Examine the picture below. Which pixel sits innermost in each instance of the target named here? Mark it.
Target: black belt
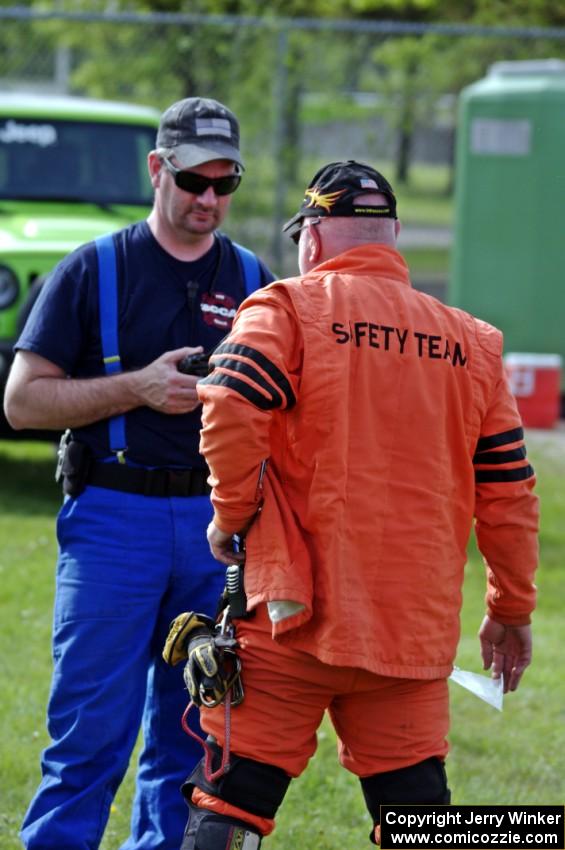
(149, 482)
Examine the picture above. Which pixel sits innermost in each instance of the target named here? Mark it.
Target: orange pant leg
(286, 694)
(386, 723)
(383, 723)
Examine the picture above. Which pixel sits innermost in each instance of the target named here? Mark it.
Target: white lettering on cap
(213, 127)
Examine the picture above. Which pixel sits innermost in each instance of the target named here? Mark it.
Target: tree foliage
(266, 73)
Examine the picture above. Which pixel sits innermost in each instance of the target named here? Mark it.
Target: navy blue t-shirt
(163, 304)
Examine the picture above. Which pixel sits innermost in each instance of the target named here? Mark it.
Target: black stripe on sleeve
(251, 372)
(267, 365)
(500, 457)
(502, 439)
(492, 476)
(241, 387)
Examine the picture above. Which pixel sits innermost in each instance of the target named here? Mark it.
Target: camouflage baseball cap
(199, 129)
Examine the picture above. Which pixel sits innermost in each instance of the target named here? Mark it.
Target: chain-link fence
(306, 91)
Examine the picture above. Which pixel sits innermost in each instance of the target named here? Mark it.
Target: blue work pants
(128, 564)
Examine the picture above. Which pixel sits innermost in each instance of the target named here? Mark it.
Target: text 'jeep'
(71, 169)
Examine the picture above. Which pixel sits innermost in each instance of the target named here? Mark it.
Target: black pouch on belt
(75, 468)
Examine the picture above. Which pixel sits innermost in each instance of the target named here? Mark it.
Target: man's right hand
(221, 546)
(507, 649)
(162, 387)
(40, 395)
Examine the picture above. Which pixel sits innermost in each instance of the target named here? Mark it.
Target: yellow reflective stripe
(115, 358)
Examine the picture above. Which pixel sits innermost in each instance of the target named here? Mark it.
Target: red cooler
(535, 380)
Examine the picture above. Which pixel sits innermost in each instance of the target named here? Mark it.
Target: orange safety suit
(388, 426)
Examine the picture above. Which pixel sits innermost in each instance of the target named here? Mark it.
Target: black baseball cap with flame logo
(334, 189)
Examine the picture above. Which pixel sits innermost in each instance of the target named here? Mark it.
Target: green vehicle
(71, 169)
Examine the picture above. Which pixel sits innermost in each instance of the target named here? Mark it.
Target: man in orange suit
(355, 429)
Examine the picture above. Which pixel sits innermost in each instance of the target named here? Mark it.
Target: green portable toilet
(508, 257)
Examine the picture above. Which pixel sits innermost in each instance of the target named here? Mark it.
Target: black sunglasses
(296, 235)
(197, 184)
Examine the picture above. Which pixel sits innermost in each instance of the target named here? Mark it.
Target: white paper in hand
(487, 689)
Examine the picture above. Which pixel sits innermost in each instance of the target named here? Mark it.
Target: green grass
(509, 758)
(321, 109)
(423, 261)
(426, 200)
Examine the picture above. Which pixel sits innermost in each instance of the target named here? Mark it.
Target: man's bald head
(357, 231)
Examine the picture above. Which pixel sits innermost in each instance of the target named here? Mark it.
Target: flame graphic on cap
(326, 202)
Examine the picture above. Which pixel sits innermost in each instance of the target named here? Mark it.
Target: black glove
(208, 674)
(204, 674)
(180, 630)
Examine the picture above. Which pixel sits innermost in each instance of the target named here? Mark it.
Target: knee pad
(425, 782)
(208, 831)
(250, 785)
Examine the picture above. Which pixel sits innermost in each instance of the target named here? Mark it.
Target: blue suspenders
(250, 267)
(108, 303)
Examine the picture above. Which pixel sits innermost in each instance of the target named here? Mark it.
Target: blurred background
(310, 82)
(462, 107)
